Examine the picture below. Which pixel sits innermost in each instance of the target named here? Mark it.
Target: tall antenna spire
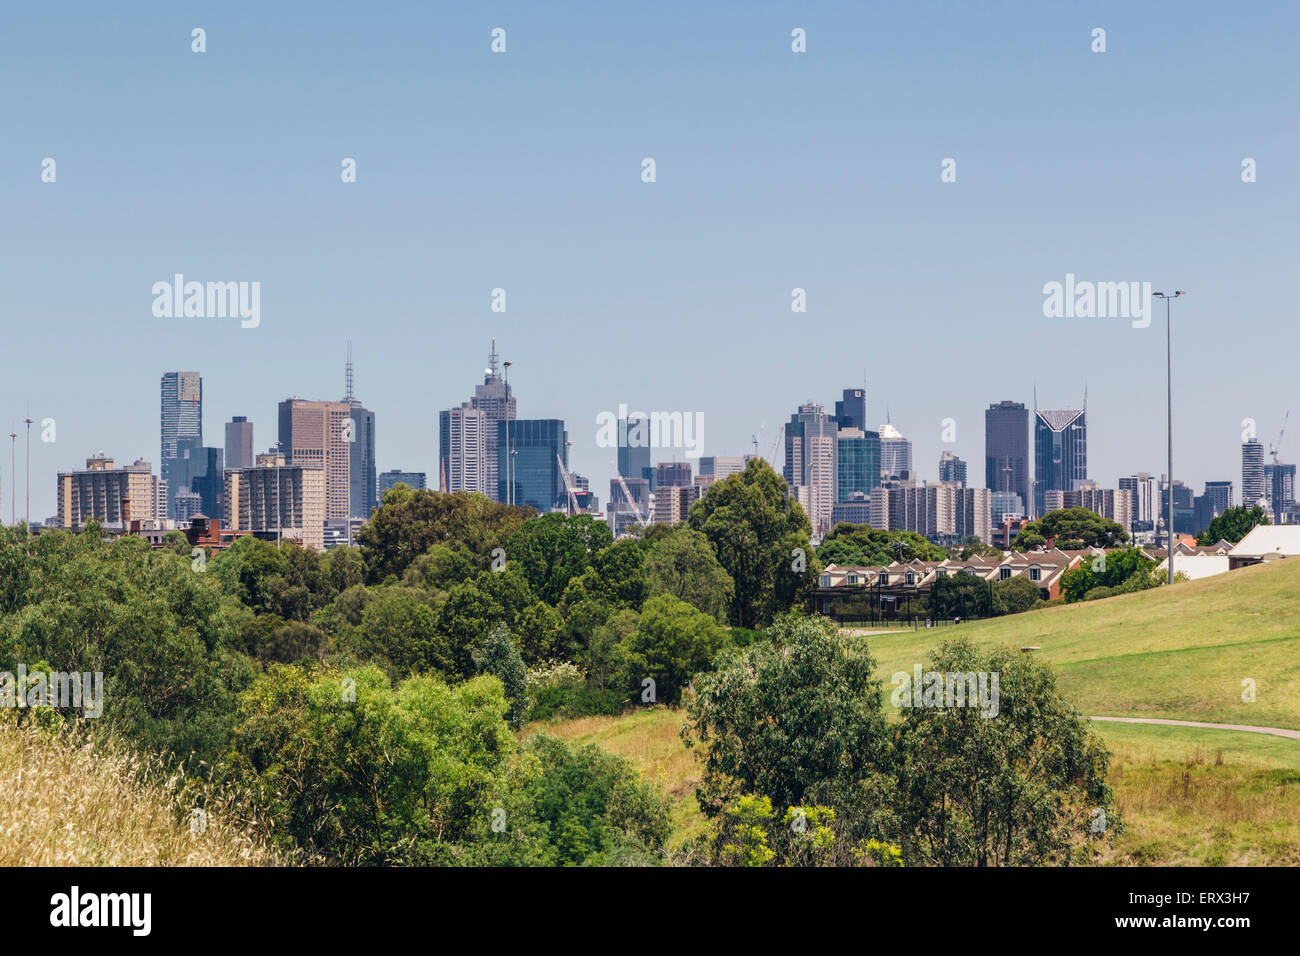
(349, 398)
(492, 359)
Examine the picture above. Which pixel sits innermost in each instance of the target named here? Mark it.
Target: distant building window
(1035, 574)
(1004, 574)
(826, 580)
(940, 573)
(910, 578)
(884, 578)
(853, 579)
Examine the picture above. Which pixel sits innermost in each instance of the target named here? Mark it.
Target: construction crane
(568, 485)
(1276, 445)
(759, 437)
(644, 522)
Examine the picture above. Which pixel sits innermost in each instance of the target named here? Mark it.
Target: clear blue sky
(775, 170)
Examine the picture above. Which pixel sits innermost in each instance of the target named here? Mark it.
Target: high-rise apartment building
(1006, 450)
(1253, 488)
(363, 487)
(1060, 452)
(531, 475)
(721, 466)
(952, 468)
(1146, 498)
(672, 503)
(1279, 485)
(316, 434)
(110, 495)
(810, 459)
(274, 497)
(182, 417)
(239, 443)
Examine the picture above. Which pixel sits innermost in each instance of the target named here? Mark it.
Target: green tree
(554, 548)
(963, 595)
(864, 546)
(1072, 527)
(672, 642)
(1014, 595)
(684, 565)
(796, 718)
(1024, 787)
(400, 629)
(760, 537)
(1233, 525)
(498, 654)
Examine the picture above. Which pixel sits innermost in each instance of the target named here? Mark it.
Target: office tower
(1279, 487)
(810, 452)
(1006, 449)
(976, 515)
(414, 479)
(1005, 506)
(363, 488)
(182, 417)
(110, 495)
(952, 468)
(239, 443)
(1219, 494)
(277, 500)
(1146, 497)
(1060, 452)
(857, 467)
(1184, 507)
(633, 446)
(497, 403)
(315, 434)
(895, 453)
(196, 470)
(851, 410)
(1253, 490)
(532, 476)
(721, 466)
(1115, 504)
(672, 474)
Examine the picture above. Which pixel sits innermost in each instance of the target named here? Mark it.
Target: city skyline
(507, 183)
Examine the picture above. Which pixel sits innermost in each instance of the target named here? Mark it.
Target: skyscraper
(363, 490)
(895, 453)
(389, 479)
(316, 434)
(497, 403)
(952, 468)
(182, 417)
(672, 474)
(1146, 495)
(857, 467)
(239, 443)
(1279, 484)
(197, 470)
(810, 453)
(1253, 489)
(1006, 449)
(851, 410)
(1060, 452)
(536, 446)
(633, 446)
(463, 440)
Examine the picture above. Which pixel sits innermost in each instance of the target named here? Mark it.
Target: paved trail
(1277, 731)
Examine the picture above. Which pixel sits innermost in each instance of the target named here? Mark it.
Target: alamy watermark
(208, 300)
(1098, 300)
(947, 689)
(683, 430)
(53, 689)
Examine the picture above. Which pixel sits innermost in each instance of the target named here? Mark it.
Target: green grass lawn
(1179, 653)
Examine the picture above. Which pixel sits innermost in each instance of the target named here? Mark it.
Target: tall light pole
(28, 486)
(1169, 385)
(13, 478)
(505, 414)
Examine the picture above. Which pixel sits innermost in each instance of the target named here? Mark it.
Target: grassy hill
(1178, 653)
(1189, 795)
(64, 804)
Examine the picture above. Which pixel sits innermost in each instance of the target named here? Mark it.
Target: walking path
(1278, 731)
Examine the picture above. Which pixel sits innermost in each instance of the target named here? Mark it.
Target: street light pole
(1169, 385)
(28, 486)
(13, 478)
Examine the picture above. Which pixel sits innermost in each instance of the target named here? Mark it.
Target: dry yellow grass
(66, 803)
(650, 738)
